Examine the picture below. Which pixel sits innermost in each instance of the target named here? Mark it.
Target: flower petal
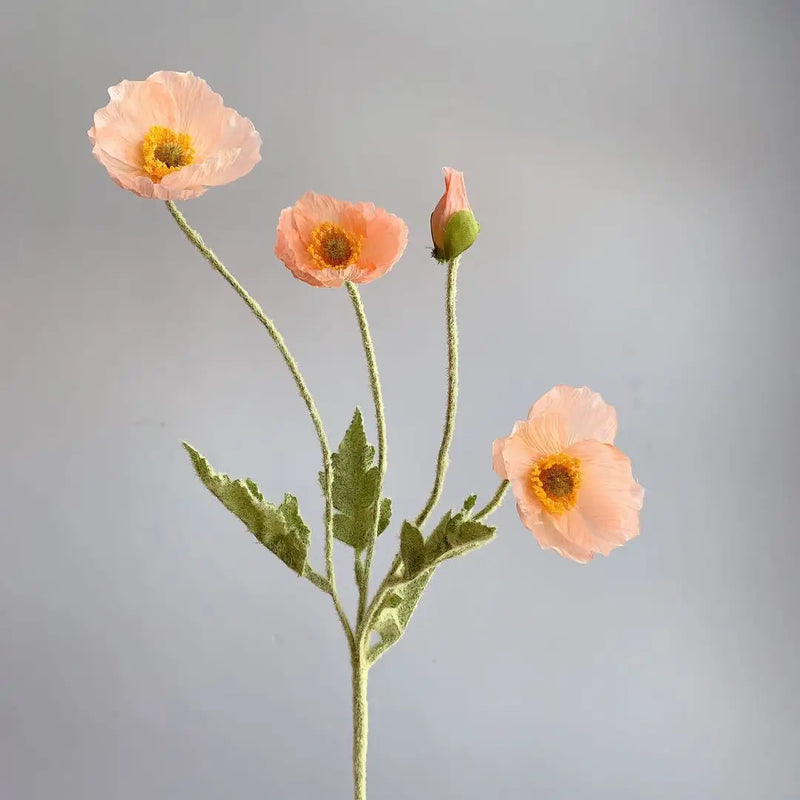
(200, 111)
(135, 107)
(530, 441)
(385, 239)
(550, 538)
(586, 414)
(312, 209)
(609, 499)
(454, 199)
(498, 462)
(290, 249)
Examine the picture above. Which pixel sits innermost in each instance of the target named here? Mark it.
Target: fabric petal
(312, 209)
(609, 499)
(550, 538)
(135, 107)
(586, 414)
(385, 239)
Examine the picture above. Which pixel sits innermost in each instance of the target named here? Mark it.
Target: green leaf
(279, 528)
(395, 613)
(385, 516)
(354, 489)
(292, 548)
(412, 549)
(469, 503)
(454, 536)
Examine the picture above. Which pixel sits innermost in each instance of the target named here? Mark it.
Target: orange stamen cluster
(555, 481)
(333, 246)
(165, 151)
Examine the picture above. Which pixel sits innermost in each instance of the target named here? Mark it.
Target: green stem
(377, 398)
(194, 237)
(494, 503)
(452, 394)
(360, 723)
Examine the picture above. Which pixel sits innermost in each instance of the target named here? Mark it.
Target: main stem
(380, 420)
(194, 237)
(452, 394)
(360, 722)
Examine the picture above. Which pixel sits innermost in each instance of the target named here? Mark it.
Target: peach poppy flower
(325, 241)
(574, 489)
(453, 225)
(171, 136)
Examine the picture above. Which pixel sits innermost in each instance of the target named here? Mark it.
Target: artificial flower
(325, 241)
(170, 136)
(453, 225)
(574, 489)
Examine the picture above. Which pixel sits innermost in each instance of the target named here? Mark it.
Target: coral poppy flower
(325, 241)
(171, 136)
(574, 489)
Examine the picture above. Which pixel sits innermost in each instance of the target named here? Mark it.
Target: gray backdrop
(635, 169)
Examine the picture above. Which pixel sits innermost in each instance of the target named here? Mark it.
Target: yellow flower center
(165, 151)
(555, 480)
(333, 246)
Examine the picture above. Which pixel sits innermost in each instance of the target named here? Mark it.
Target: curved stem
(494, 503)
(452, 394)
(377, 398)
(194, 237)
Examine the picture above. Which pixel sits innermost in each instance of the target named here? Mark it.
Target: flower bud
(453, 225)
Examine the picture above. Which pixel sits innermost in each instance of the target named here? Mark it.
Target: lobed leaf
(279, 528)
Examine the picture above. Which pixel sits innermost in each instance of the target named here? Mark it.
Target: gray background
(635, 168)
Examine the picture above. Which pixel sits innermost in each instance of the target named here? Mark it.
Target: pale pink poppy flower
(574, 489)
(325, 241)
(170, 136)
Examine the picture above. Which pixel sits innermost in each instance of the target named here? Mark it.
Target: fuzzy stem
(194, 237)
(452, 394)
(494, 503)
(377, 398)
(360, 723)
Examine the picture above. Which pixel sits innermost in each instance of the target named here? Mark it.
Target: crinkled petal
(549, 537)
(586, 414)
(200, 111)
(530, 441)
(312, 209)
(609, 498)
(135, 107)
(385, 239)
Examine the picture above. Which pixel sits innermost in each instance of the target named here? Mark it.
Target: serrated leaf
(294, 545)
(385, 516)
(454, 536)
(436, 544)
(279, 528)
(412, 550)
(395, 613)
(354, 489)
